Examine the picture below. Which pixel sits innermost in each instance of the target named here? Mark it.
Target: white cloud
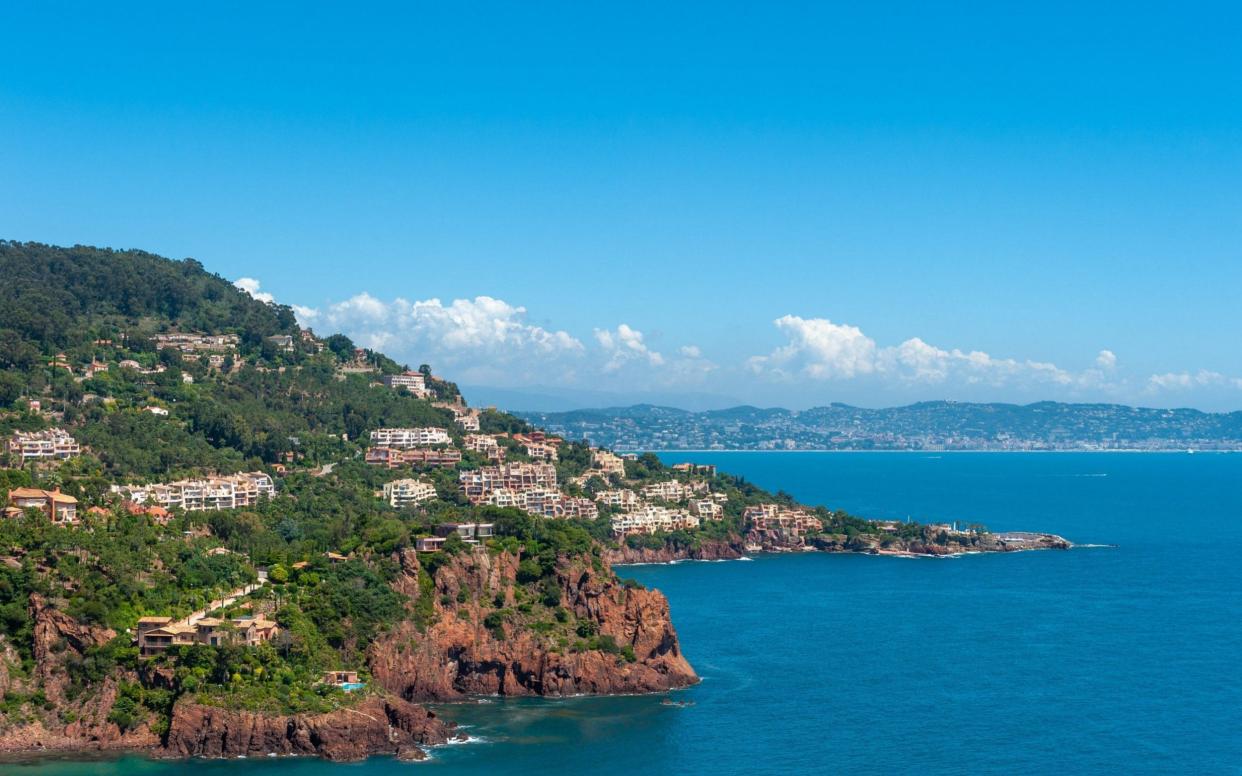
(485, 323)
(306, 315)
(480, 338)
(1204, 378)
(251, 286)
(820, 349)
(624, 345)
(489, 340)
(485, 340)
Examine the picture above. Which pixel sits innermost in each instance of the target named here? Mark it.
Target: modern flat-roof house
(429, 544)
(56, 506)
(469, 532)
(706, 509)
(340, 678)
(408, 492)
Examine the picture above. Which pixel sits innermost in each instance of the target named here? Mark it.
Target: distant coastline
(940, 426)
(1170, 451)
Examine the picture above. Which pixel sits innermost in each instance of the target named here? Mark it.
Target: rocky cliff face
(459, 655)
(376, 727)
(78, 723)
(708, 550)
(458, 652)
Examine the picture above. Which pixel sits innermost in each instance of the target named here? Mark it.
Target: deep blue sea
(1125, 658)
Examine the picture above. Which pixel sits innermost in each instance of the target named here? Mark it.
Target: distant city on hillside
(941, 425)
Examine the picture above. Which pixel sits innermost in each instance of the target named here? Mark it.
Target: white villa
(706, 509)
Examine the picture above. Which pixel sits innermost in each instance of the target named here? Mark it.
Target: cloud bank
(485, 340)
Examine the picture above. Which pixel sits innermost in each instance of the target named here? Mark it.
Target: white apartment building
(541, 451)
(671, 490)
(414, 382)
(486, 445)
(53, 444)
(546, 502)
(778, 517)
(652, 519)
(408, 492)
(409, 437)
(232, 492)
(193, 343)
(476, 484)
(620, 498)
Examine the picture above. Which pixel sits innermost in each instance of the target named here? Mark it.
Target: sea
(1123, 655)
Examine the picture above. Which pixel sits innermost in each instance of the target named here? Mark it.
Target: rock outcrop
(376, 727)
(707, 550)
(459, 654)
(57, 640)
(57, 636)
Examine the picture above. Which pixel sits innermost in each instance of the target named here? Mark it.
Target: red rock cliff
(458, 655)
(376, 727)
(57, 640)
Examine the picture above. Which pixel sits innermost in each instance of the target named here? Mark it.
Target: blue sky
(779, 203)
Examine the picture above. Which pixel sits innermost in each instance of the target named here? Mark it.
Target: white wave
(469, 740)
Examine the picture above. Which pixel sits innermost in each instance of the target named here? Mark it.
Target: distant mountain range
(552, 398)
(936, 425)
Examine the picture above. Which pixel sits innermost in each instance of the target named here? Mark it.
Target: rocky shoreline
(456, 656)
(737, 548)
(377, 726)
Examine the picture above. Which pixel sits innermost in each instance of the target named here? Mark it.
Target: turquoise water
(1096, 660)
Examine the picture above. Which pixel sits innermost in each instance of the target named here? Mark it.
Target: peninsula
(225, 535)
